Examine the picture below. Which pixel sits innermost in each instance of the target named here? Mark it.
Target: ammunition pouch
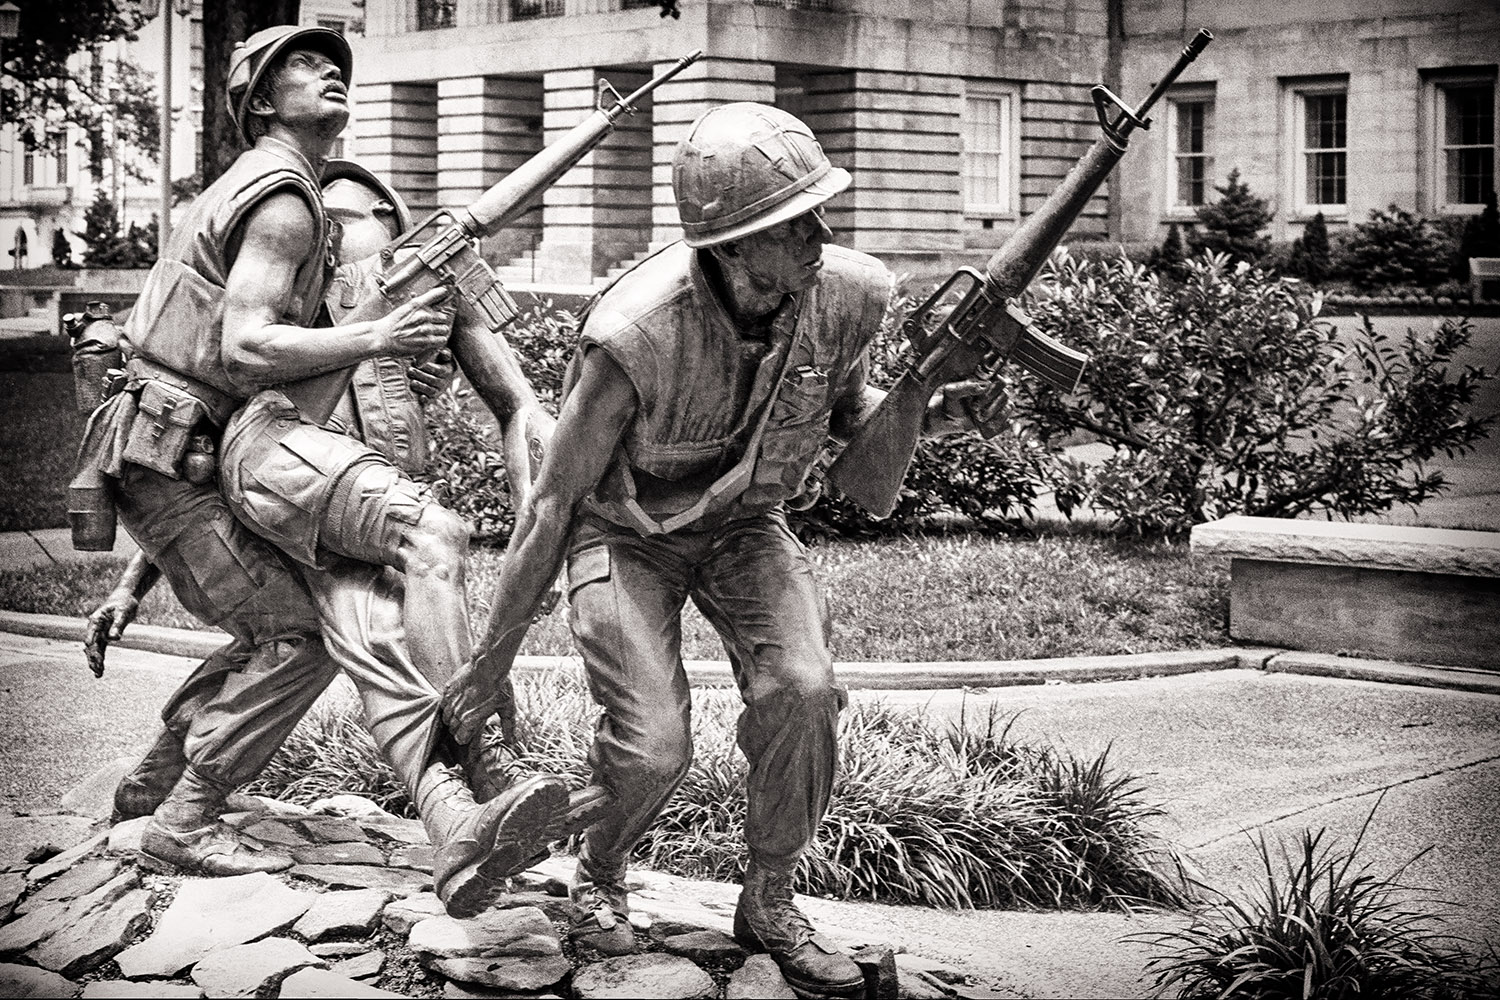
(165, 418)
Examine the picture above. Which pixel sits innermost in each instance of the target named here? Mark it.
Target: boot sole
(585, 808)
(806, 989)
(162, 866)
(521, 837)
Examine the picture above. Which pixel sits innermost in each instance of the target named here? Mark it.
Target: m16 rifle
(443, 249)
(982, 331)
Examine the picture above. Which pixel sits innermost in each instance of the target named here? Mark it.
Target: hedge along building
(956, 117)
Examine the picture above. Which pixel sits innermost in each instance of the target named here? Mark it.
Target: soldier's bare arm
(589, 428)
(261, 350)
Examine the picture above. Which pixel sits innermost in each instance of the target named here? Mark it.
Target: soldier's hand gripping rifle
(982, 332)
(443, 249)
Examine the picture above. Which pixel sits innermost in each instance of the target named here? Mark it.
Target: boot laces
(777, 910)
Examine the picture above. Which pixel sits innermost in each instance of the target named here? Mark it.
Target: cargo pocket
(587, 566)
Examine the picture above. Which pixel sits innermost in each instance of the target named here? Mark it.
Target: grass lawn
(39, 432)
(956, 597)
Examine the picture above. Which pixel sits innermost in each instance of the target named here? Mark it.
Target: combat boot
(601, 909)
(767, 920)
(152, 780)
(477, 847)
(490, 767)
(185, 834)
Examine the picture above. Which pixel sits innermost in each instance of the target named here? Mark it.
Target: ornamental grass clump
(1322, 926)
(923, 812)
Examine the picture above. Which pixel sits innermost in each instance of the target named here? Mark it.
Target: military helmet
(250, 59)
(744, 167)
(340, 170)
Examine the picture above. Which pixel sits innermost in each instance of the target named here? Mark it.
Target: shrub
(1396, 247)
(923, 812)
(1172, 252)
(1480, 238)
(1228, 394)
(1319, 925)
(1312, 256)
(1232, 224)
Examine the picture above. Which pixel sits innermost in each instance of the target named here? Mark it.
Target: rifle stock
(981, 332)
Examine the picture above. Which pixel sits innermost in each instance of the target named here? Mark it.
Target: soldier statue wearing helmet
(706, 383)
(225, 312)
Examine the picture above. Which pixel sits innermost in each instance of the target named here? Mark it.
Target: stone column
(395, 135)
(897, 134)
(600, 211)
(487, 127)
(678, 102)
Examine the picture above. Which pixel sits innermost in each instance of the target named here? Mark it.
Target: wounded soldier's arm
(259, 349)
(107, 622)
(589, 428)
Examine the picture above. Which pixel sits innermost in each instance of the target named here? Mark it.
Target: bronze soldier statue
(706, 384)
(225, 312)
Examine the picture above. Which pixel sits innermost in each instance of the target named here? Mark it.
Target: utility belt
(156, 418)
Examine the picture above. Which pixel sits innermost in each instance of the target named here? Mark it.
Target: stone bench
(1423, 595)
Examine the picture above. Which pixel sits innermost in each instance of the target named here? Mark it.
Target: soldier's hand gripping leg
(477, 844)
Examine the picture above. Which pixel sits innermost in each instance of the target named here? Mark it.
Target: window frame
(1298, 91)
(1010, 172)
(1437, 84)
(1197, 93)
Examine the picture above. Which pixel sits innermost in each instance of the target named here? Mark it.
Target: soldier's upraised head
(259, 66)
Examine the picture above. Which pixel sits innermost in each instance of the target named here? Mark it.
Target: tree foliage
(1229, 394)
(47, 88)
(1312, 256)
(109, 246)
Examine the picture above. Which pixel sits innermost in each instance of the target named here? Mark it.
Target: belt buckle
(805, 374)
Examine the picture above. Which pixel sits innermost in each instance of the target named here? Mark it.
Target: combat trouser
(752, 580)
(240, 704)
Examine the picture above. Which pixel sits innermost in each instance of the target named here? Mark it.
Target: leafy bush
(1227, 394)
(923, 812)
(1319, 925)
(1232, 225)
(1396, 247)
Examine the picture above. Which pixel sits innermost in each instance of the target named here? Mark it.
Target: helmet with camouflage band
(745, 167)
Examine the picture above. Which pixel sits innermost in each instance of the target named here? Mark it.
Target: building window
(332, 24)
(434, 14)
(1464, 167)
(28, 168)
(988, 127)
(62, 161)
(530, 10)
(1320, 135)
(1190, 137)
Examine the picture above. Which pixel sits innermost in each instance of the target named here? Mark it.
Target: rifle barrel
(510, 197)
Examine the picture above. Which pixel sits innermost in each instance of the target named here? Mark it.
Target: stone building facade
(956, 117)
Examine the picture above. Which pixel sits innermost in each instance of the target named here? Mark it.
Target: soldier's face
(310, 90)
(788, 256)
